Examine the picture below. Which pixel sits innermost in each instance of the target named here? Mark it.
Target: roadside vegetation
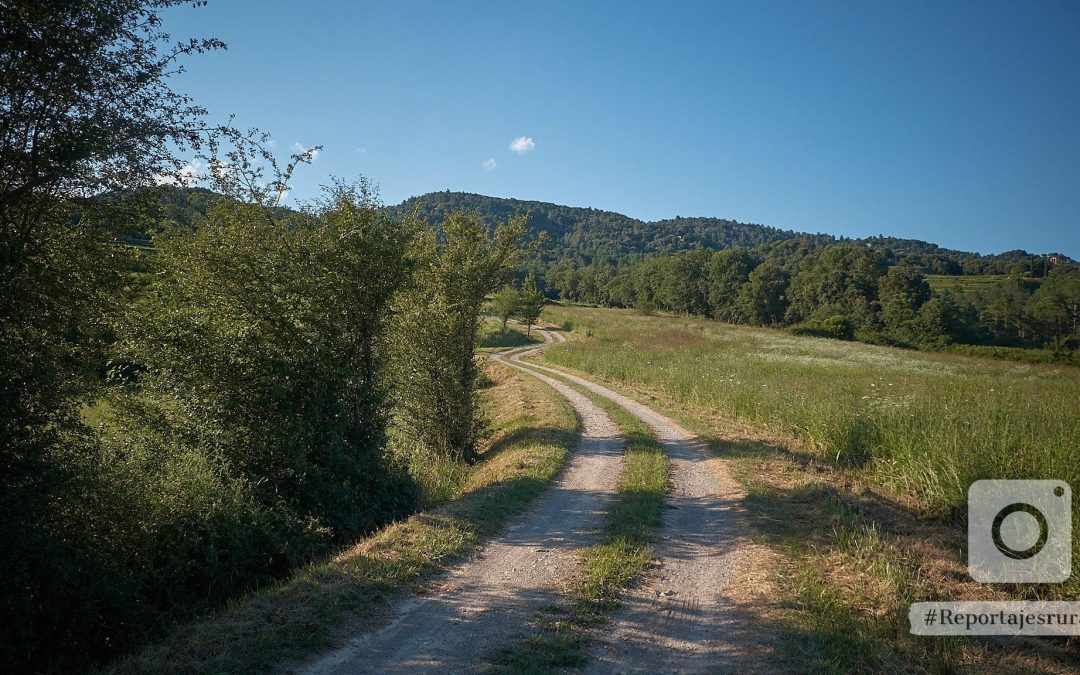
(533, 431)
(856, 461)
(494, 338)
(193, 409)
(610, 565)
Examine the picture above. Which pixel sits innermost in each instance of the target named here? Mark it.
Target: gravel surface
(680, 619)
(488, 602)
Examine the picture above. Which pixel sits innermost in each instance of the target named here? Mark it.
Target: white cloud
(220, 169)
(187, 176)
(299, 149)
(489, 164)
(522, 144)
(361, 150)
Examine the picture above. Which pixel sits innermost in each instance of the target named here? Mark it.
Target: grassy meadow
(922, 426)
(964, 283)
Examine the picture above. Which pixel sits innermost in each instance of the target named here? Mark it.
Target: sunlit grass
(922, 426)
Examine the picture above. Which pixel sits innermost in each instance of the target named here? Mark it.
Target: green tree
(1055, 305)
(841, 280)
(532, 302)
(439, 329)
(261, 339)
(728, 271)
(682, 286)
(903, 291)
(762, 299)
(940, 322)
(505, 302)
(85, 109)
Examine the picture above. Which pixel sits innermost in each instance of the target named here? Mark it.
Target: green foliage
(1056, 305)
(531, 302)
(261, 339)
(762, 300)
(728, 271)
(505, 303)
(84, 107)
(837, 327)
(842, 280)
(438, 331)
(253, 436)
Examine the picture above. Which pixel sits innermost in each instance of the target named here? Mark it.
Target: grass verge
(609, 566)
(534, 431)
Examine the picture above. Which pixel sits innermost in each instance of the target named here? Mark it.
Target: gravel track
(488, 602)
(679, 619)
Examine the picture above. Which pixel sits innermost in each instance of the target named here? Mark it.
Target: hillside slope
(591, 235)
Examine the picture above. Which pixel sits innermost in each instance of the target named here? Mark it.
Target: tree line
(841, 291)
(201, 412)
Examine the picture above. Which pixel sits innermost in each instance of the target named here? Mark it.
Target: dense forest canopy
(873, 289)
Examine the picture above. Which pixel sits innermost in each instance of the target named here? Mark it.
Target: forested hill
(587, 235)
(579, 236)
(591, 234)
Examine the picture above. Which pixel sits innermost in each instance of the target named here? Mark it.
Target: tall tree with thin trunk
(505, 303)
(532, 302)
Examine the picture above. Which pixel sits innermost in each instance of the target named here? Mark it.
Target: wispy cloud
(489, 164)
(360, 150)
(522, 144)
(299, 149)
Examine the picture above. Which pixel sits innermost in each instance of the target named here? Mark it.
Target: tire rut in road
(679, 619)
(487, 602)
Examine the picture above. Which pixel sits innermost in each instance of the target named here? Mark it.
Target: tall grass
(923, 425)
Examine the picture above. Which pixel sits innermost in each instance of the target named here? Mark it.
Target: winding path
(679, 618)
(487, 602)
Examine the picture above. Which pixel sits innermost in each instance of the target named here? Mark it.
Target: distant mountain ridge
(592, 235)
(584, 235)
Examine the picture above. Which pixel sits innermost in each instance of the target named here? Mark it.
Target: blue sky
(953, 122)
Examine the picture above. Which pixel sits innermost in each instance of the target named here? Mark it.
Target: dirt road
(679, 618)
(486, 603)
